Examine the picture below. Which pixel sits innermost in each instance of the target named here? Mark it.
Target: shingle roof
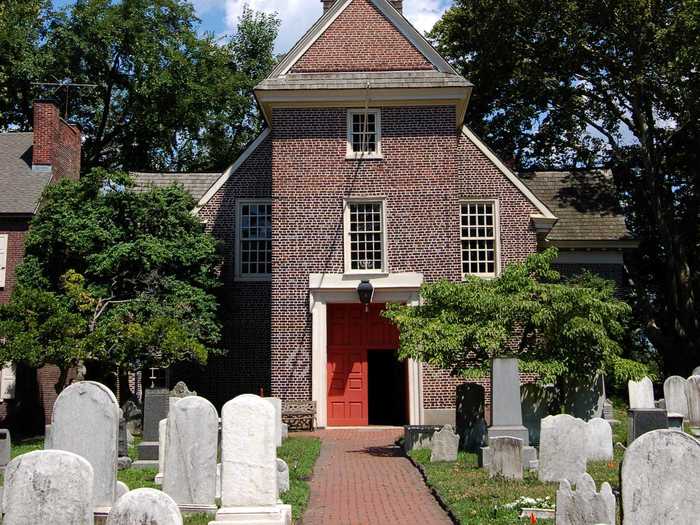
(196, 184)
(586, 203)
(20, 187)
(381, 80)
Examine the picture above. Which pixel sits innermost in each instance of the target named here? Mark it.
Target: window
(364, 134)
(3, 258)
(364, 237)
(254, 248)
(479, 238)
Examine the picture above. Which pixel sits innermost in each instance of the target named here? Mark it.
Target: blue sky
(220, 16)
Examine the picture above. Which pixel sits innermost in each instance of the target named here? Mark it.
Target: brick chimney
(398, 4)
(57, 144)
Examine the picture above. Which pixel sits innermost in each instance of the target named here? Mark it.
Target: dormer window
(364, 134)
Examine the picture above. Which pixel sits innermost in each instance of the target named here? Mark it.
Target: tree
(113, 276)
(611, 82)
(168, 98)
(557, 329)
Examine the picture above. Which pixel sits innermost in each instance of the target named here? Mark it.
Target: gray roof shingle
(196, 184)
(20, 187)
(586, 203)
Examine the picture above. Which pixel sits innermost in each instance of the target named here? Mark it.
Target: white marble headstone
(282, 476)
(641, 393)
(86, 422)
(444, 445)
(563, 446)
(162, 444)
(506, 457)
(145, 506)
(585, 505)
(692, 392)
(696, 371)
(48, 486)
(277, 404)
(599, 440)
(675, 396)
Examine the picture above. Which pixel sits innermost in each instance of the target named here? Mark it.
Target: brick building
(28, 163)
(365, 173)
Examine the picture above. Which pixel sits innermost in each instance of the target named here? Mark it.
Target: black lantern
(365, 291)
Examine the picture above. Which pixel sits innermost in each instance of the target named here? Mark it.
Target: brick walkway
(361, 478)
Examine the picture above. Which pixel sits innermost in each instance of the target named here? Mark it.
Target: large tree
(611, 82)
(168, 96)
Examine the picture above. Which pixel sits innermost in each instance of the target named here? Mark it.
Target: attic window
(364, 134)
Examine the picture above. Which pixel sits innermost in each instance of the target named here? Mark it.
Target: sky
(220, 16)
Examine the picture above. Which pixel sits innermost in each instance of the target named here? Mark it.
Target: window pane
(478, 238)
(366, 246)
(255, 237)
(364, 131)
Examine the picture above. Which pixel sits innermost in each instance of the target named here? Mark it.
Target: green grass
(27, 445)
(301, 454)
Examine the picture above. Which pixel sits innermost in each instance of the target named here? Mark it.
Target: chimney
(398, 4)
(57, 144)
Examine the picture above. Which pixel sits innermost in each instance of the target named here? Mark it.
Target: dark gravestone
(471, 420)
(584, 396)
(155, 408)
(643, 420)
(537, 402)
(123, 443)
(5, 447)
(418, 436)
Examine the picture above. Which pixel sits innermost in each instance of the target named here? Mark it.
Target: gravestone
(122, 489)
(599, 440)
(641, 393)
(145, 506)
(179, 391)
(584, 396)
(134, 417)
(418, 436)
(696, 371)
(285, 431)
(48, 486)
(122, 440)
(562, 448)
(86, 422)
(277, 405)
(218, 481)
(506, 457)
(249, 491)
(608, 411)
(537, 403)
(470, 416)
(585, 506)
(693, 395)
(155, 408)
(675, 396)
(282, 476)
(5, 447)
(643, 420)
(444, 445)
(162, 440)
(190, 456)
(47, 437)
(659, 479)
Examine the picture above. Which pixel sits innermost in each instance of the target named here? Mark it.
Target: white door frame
(328, 289)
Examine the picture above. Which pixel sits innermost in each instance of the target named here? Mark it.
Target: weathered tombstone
(599, 440)
(218, 481)
(48, 486)
(659, 479)
(418, 436)
(282, 476)
(147, 507)
(696, 371)
(47, 437)
(86, 422)
(675, 396)
(122, 441)
(155, 408)
(122, 489)
(643, 420)
(190, 456)
(608, 411)
(5, 447)
(641, 393)
(277, 405)
(506, 457)
(178, 392)
(249, 468)
(470, 416)
(693, 395)
(162, 446)
(134, 417)
(537, 403)
(585, 506)
(562, 448)
(584, 396)
(285, 431)
(444, 445)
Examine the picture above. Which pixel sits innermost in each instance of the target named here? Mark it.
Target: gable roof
(196, 184)
(586, 203)
(20, 187)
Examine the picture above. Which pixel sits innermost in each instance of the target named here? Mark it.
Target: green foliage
(556, 328)
(300, 454)
(115, 276)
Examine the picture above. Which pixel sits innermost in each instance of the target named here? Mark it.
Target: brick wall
(361, 39)
(16, 230)
(56, 143)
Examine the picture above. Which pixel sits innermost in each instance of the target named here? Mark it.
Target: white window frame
(4, 249)
(346, 236)
(356, 155)
(239, 276)
(496, 243)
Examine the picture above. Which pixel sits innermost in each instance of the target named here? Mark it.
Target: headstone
(675, 421)
(641, 393)
(675, 396)
(537, 403)
(418, 436)
(282, 476)
(5, 447)
(599, 440)
(445, 445)
(134, 417)
(470, 416)
(122, 489)
(145, 506)
(585, 506)
(562, 448)
(584, 396)
(86, 422)
(277, 405)
(641, 421)
(122, 441)
(659, 479)
(249, 491)
(162, 446)
(693, 395)
(506, 457)
(47, 437)
(156, 404)
(696, 371)
(179, 391)
(608, 411)
(190, 455)
(48, 486)
(285, 431)
(218, 481)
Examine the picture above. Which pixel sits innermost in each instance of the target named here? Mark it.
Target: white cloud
(424, 13)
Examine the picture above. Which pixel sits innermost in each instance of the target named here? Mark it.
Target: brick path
(361, 478)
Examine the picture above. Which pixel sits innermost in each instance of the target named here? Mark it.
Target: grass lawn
(475, 499)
